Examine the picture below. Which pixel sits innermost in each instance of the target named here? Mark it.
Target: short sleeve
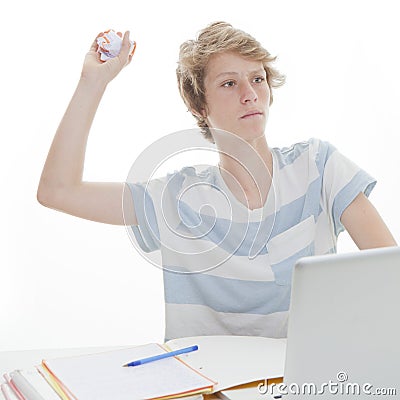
(342, 181)
(146, 232)
(156, 207)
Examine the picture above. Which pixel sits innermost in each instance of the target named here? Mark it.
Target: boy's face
(237, 95)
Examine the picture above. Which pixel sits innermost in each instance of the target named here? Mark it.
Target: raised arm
(61, 186)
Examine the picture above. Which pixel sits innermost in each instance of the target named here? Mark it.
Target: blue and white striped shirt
(227, 269)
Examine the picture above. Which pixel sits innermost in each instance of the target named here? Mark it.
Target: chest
(252, 197)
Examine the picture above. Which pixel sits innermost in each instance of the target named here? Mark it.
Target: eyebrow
(257, 71)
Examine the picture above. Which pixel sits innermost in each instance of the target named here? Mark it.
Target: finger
(94, 45)
(125, 47)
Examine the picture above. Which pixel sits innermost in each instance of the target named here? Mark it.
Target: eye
(259, 79)
(228, 84)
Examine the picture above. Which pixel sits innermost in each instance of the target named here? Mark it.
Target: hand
(105, 71)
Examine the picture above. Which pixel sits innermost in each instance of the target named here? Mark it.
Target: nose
(248, 94)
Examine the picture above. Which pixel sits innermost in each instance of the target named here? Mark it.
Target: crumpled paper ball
(109, 45)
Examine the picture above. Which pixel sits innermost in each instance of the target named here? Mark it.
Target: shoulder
(313, 148)
(183, 178)
(194, 173)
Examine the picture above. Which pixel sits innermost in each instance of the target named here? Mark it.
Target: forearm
(65, 160)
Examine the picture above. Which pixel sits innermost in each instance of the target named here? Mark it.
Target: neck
(248, 163)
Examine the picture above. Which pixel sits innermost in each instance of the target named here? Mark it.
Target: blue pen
(161, 356)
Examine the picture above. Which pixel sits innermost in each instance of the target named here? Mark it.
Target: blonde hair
(194, 55)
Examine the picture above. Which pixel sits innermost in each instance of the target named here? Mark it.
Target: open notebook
(102, 376)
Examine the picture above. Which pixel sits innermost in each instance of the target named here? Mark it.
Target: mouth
(251, 114)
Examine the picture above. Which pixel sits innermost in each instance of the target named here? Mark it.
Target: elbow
(46, 195)
(42, 196)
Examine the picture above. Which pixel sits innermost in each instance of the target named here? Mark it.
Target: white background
(68, 282)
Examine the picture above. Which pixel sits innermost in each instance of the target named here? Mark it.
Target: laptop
(344, 327)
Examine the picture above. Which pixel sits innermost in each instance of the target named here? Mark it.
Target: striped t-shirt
(227, 269)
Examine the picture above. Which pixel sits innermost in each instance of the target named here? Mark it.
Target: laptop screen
(344, 326)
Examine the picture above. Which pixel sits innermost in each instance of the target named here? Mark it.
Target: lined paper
(101, 376)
